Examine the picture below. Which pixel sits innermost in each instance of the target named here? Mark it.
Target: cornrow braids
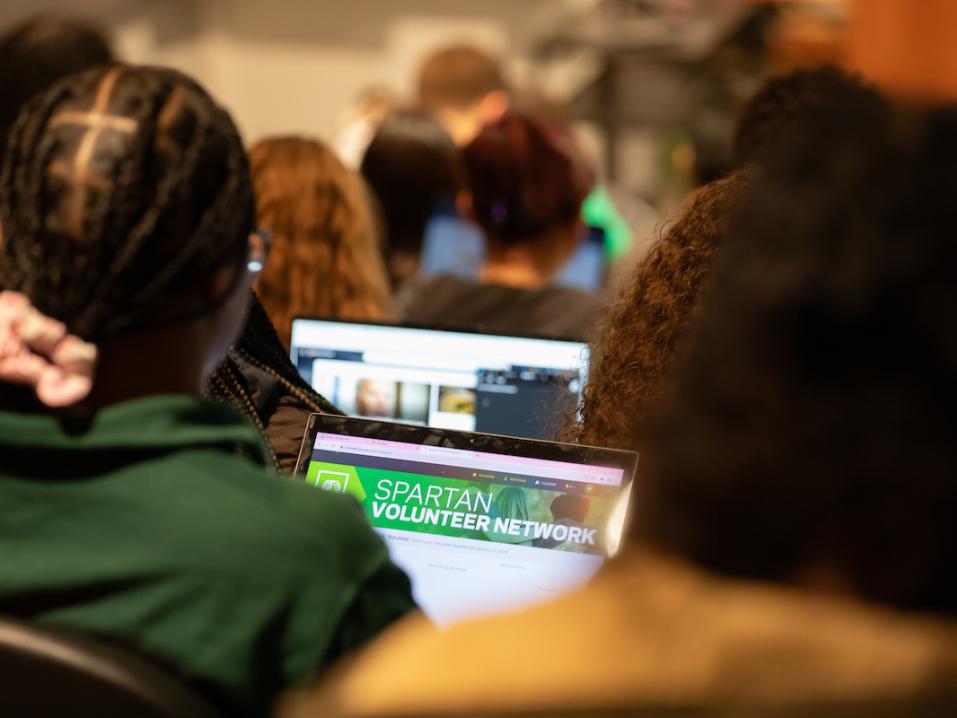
(259, 346)
(122, 188)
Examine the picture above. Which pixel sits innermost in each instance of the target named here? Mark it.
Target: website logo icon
(335, 481)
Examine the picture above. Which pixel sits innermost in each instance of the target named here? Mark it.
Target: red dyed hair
(527, 177)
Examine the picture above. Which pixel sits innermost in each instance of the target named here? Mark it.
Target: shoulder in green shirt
(145, 527)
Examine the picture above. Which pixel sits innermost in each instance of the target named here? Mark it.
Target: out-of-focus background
(652, 85)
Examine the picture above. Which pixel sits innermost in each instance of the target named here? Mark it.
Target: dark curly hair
(646, 326)
(812, 424)
(782, 103)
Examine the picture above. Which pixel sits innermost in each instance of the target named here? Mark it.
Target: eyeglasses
(259, 242)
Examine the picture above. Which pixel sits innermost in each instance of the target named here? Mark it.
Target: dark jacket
(280, 407)
(258, 380)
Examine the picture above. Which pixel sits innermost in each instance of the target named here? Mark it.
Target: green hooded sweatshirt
(144, 527)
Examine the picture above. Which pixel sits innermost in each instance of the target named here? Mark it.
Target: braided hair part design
(121, 189)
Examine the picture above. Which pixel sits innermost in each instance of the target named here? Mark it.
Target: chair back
(46, 673)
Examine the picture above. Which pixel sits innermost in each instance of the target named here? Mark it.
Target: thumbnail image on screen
(453, 380)
(378, 398)
(476, 532)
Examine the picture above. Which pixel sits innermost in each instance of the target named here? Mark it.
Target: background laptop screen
(454, 380)
(477, 532)
(455, 246)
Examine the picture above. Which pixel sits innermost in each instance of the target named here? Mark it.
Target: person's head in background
(645, 329)
(38, 52)
(126, 211)
(810, 436)
(526, 181)
(781, 105)
(414, 170)
(465, 88)
(324, 258)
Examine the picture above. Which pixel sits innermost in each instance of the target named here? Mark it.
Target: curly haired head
(809, 432)
(783, 104)
(645, 327)
(325, 258)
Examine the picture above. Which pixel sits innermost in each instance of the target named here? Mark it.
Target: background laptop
(453, 245)
(518, 386)
(480, 523)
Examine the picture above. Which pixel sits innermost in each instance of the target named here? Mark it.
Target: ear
(217, 285)
(493, 106)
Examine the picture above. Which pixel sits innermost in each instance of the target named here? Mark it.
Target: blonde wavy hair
(325, 259)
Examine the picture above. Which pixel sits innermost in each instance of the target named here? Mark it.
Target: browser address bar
(419, 360)
(475, 464)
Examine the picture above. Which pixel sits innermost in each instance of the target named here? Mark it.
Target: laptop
(481, 523)
(519, 386)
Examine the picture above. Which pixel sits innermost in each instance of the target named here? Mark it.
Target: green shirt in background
(143, 526)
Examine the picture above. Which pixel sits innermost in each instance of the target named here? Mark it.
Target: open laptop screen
(481, 524)
(517, 386)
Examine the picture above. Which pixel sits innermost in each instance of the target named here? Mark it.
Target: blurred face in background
(375, 397)
(464, 88)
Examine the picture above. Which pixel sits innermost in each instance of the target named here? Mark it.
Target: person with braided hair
(256, 378)
(127, 219)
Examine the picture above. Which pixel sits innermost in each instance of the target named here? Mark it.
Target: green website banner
(471, 509)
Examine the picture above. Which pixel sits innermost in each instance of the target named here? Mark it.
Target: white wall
(293, 66)
(297, 69)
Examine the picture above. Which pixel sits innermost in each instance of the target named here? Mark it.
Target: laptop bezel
(627, 461)
(451, 328)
